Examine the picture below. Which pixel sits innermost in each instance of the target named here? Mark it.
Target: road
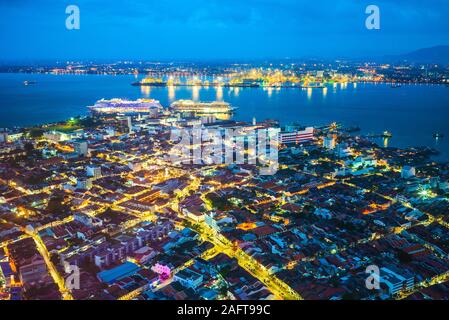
(57, 278)
(279, 288)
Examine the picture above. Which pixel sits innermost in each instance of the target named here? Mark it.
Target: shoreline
(432, 151)
(390, 82)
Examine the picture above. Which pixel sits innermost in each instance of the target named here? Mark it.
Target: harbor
(364, 109)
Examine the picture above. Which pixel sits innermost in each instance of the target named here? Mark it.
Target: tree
(29, 149)
(36, 132)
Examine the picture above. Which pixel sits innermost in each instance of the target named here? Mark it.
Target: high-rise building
(329, 142)
(81, 148)
(130, 124)
(3, 136)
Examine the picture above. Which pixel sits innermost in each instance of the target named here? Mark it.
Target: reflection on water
(171, 93)
(220, 93)
(386, 140)
(355, 85)
(145, 91)
(309, 93)
(373, 107)
(437, 142)
(195, 93)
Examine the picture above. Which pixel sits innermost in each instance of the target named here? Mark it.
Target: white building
(87, 220)
(144, 254)
(3, 136)
(81, 148)
(136, 165)
(394, 281)
(110, 132)
(93, 171)
(329, 142)
(130, 124)
(14, 136)
(188, 278)
(343, 150)
(194, 213)
(84, 184)
(56, 136)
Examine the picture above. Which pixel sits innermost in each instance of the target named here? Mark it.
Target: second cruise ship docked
(215, 107)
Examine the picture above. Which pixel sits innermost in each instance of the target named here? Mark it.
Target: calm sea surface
(411, 113)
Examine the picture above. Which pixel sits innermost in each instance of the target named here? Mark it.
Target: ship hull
(156, 84)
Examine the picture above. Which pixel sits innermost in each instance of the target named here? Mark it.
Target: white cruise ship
(215, 107)
(113, 106)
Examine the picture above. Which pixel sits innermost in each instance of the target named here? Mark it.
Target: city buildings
(138, 226)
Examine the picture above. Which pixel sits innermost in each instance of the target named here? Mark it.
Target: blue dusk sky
(218, 29)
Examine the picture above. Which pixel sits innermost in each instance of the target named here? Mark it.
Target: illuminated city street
(221, 158)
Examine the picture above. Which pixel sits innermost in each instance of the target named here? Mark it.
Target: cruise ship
(113, 106)
(215, 107)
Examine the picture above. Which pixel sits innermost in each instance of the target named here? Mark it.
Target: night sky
(218, 29)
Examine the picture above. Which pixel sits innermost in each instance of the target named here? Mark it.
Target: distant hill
(438, 54)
